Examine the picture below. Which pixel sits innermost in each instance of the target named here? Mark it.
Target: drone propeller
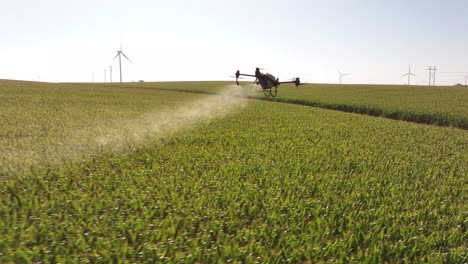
(237, 77)
(297, 81)
(241, 78)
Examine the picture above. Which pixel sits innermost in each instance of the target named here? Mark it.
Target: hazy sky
(372, 40)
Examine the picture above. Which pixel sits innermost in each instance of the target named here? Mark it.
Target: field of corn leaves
(441, 105)
(105, 174)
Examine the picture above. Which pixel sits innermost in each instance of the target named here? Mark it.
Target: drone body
(268, 82)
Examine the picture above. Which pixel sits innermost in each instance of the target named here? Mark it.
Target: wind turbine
(430, 74)
(120, 54)
(341, 76)
(434, 75)
(408, 74)
(110, 73)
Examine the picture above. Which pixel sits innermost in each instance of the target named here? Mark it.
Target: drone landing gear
(255, 88)
(271, 91)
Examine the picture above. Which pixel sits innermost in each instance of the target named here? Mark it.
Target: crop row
(266, 183)
(443, 106)
(54, 123)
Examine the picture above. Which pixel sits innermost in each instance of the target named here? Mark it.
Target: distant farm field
(445, 106)
(49, 123)
(93, 173)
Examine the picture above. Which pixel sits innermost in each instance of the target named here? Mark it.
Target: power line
(453, 72)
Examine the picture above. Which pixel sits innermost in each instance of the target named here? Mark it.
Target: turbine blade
(117, 55)
(404, 74)
(126, 57)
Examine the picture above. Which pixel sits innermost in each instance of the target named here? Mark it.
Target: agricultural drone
(268, 83)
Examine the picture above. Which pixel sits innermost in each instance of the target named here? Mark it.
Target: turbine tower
(120, 54)
(408, 74)
(110, 73)
(430, 74)
(341, 76)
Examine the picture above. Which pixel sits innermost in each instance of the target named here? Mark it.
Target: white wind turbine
(409, 74)
(120, 54)
(341, 76)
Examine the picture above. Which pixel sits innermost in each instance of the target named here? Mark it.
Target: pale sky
(171, 40)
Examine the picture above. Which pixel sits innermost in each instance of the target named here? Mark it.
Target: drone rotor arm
(296, 81)
(249, 75)
(238, 76)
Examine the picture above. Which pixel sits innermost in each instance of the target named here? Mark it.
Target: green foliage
(269, 182)
(54, 123)
(445, 106)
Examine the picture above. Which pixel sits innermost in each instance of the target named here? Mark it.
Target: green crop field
(445, 106)
(95, 173)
